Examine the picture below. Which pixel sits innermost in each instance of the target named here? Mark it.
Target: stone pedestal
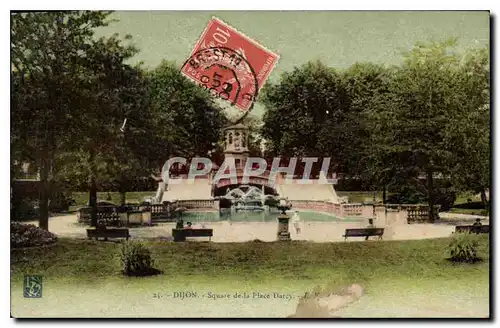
(283, 227)
(135, 217)
(368, 211)
(123, 218)
(146, 217)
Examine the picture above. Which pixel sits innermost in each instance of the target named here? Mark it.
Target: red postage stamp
(229, 64)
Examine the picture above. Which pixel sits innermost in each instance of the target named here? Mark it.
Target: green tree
(366, 84)
(187, 123)
(50, 94)
(307, 114)
(416, 119)
(468, 134)
(71, 93)
(123, 158)
(125, 154)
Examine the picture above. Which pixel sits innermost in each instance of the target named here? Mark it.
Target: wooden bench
(181, 234)
(363, 232)
(473, 228)
(108, 233)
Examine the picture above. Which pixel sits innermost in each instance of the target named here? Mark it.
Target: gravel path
(224, 231)
(460, 216)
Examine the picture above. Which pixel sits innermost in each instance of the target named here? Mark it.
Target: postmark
(225, 73)
(236, 66)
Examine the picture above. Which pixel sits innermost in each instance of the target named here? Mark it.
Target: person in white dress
(296, 222)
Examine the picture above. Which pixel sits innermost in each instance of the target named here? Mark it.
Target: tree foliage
(307, 114)
(187, 121)
(367, 86)
(398, 127)
(54, 98)
(420, 131)
(468, 134)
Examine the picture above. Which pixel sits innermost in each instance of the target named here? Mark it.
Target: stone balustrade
(197, 203)
(351, 210)
(342, 210)
(415, 212)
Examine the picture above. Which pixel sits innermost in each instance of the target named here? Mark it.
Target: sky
(337, 38)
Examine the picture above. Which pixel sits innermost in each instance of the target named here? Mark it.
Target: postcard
(260, 164)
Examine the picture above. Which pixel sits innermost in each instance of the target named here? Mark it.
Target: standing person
(477, 223)
(370, 226)
(296, 222)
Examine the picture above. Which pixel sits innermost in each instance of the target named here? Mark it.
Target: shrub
(27, 235)
(445, 198)
(60, 202)
(471, 205)
(271, 202)
(442, 196)
(463, 247)
(24, 210)
(136, 259)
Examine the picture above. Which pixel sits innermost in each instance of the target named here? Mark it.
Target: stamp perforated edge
(275, 55)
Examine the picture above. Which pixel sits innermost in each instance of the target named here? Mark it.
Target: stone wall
(341, 210)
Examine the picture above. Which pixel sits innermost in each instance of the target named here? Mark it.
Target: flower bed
(28, 235)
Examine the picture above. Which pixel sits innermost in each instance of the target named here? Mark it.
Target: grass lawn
(470, 211)
(361, 196)
(88, 272)
(463, 197)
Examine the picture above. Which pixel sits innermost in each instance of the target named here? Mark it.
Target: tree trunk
(484, 199)
(430, 193)
(44, 194)
(93, 202)
(93, 193)
(123, 197)
(384, 194)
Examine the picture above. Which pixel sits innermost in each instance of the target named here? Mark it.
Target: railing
(196, 203)
(343, 210)
(158, 211)
(417, 213)
(108, 215)
(313, 205)
(239, 180)
(353, 209)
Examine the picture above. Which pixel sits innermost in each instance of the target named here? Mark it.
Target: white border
(254, 5)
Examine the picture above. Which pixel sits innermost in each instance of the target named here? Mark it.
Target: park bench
(108, 233)
(473, 229)
(181, 234)
(363, 232)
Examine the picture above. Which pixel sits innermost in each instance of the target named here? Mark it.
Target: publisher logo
(32, 286)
